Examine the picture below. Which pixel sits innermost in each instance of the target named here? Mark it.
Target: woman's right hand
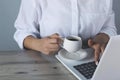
(48, 45)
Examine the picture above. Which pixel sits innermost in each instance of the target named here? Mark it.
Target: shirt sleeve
(27, 22)
(109, 25)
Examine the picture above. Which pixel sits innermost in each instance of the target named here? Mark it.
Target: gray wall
(8, 14)
(116, 8)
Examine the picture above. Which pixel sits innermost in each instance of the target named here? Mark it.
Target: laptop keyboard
(86, 69)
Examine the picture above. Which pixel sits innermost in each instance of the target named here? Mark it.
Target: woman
(40, 23)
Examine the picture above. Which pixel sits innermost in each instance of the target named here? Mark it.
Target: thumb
(56, 35)
(90, 43)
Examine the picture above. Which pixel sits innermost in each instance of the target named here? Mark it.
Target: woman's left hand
(98, 43)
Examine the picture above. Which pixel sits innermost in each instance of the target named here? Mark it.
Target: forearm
(47, 45)
(30, 42)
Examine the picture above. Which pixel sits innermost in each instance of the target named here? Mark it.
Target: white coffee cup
(72, 44)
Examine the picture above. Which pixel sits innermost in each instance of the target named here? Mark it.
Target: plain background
(8, 12)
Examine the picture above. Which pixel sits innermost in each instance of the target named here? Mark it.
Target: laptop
(86, 69)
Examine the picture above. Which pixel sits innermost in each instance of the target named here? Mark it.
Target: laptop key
(86, 69)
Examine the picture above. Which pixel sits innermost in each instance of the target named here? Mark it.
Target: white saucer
(79, 55)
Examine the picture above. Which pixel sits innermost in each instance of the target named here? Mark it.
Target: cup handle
(61, 42)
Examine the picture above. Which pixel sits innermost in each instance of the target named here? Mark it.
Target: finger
(53, 50)
(97, 51)
(102, 48)
(53, 46)
(53, 41)
(56, 35)
(96, 55)
(49, 51)
(52, 53)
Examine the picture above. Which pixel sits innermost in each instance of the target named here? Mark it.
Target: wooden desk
(31, 65)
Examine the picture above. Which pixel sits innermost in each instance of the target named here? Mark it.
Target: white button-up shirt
(84, 18)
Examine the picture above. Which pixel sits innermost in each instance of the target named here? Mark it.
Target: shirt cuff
(109, 33)
(20, 38)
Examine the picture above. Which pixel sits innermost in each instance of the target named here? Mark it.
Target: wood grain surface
(31, 65)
